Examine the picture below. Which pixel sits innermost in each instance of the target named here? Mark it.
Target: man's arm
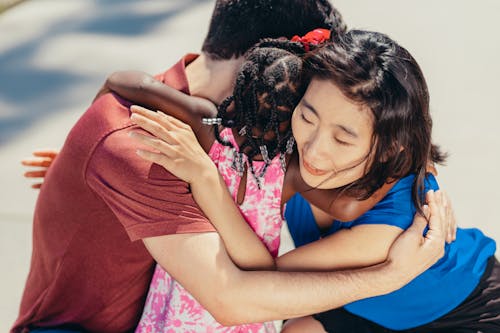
(201, 264)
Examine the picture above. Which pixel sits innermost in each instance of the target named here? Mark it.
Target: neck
(212, 79)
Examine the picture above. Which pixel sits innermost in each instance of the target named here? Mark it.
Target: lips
(312, 170)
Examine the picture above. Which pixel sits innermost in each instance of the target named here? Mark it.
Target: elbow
(268, 264)
(226, 311)
(232, 305)
(120, 81)
(112, 80)
(146, 82)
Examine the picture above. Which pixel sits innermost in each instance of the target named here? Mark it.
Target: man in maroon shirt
(104, 215)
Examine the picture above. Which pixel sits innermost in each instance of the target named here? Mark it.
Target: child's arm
(360, 246)
(143, 89)
(181, 154)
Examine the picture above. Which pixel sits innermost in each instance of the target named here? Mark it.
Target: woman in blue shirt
(423, 303)
(461, 292)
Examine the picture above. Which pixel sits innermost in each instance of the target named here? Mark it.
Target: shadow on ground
(25, 85)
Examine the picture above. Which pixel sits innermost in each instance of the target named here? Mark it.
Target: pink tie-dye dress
(169, 307)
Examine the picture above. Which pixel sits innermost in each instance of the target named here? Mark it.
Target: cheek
(296, 130)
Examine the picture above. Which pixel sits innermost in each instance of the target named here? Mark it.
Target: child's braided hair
(268, 87)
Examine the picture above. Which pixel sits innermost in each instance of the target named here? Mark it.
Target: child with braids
(363, 122)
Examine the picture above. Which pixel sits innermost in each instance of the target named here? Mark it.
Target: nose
(318, 149)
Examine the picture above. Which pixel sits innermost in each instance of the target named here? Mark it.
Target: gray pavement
(54, 55)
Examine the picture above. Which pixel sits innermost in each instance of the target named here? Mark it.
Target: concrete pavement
(54, 55)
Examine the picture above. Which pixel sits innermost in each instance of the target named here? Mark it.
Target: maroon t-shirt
(89, 269)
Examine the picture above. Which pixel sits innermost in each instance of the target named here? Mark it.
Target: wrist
(395, 275)
(207, 176)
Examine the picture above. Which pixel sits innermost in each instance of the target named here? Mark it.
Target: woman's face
(333, 135)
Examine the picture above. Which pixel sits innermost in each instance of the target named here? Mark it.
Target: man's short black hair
(237, 25)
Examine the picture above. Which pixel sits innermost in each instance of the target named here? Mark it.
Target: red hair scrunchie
(314, 37)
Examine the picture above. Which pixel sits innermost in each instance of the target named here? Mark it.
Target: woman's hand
(451, 221)
(42, 159)
(175, 146)
(414, 252)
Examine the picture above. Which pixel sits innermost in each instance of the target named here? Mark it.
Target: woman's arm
(181, 154)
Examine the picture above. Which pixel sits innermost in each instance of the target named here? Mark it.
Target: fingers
(49, 153)
(420, 222)
(150, 117)
(159, 117)
(45, 157)
(437, 221)
(158, 125)
(151, 126)
(157, 158)
(451, 220)
(435, 236)
(40, 162)
(448, 222)
(35, 174)
(174, 121)
(163, 146)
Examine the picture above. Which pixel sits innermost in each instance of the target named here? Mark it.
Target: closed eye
(344, 143)
(305, 119)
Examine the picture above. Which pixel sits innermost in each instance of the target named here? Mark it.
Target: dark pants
(479, 313)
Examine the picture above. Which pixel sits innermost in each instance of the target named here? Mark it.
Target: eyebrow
(342, 127)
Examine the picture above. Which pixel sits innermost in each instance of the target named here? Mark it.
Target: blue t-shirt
(435, 292)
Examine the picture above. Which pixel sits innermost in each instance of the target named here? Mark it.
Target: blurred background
(54, 56)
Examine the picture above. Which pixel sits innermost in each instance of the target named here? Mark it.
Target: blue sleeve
(300, 221)
(397, 207)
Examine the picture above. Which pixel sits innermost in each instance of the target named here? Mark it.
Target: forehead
(334, 108)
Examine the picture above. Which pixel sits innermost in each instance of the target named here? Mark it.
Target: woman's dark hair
(268, 87)
(373, 70)
(237, 25)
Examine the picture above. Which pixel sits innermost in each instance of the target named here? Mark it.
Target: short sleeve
(147, 200)
(300, 221)
(397, 207)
